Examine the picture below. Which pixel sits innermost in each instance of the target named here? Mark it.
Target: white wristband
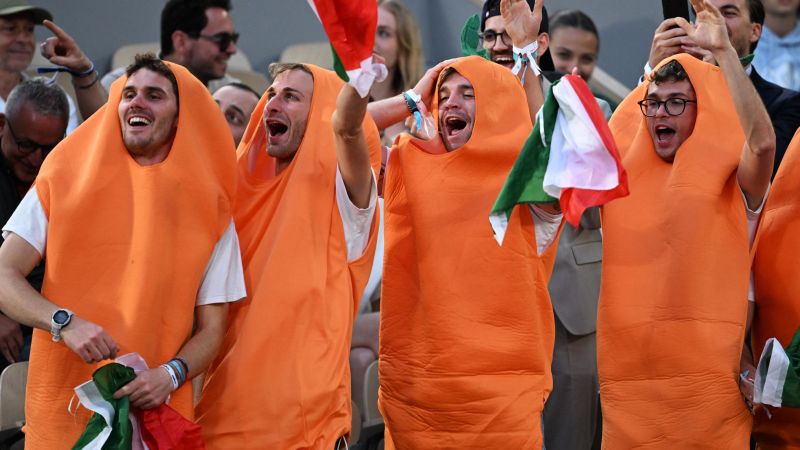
(528, 53)
(172, 375)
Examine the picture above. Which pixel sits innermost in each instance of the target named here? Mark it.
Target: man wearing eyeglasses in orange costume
(199, 35)
(699, 149)
(34, 121)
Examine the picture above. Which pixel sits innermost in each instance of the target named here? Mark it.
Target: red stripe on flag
(350, 26)
(575, 201)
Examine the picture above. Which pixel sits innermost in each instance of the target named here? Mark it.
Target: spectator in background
(399, 42)
(17, 44)
(35, 120)
(574, 42)
(237, 101)
(572, 412)
(778, 55)
(744, 20)
(197, 34)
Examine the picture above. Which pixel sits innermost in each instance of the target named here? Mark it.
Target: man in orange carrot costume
(777, 292)
(132, 213)
(466, 325)
(305, 211)
(673, 305)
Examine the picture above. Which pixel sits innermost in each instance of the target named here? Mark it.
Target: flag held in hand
(569, 157)
(350, 26)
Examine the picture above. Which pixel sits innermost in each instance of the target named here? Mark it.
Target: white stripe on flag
(578, 157)
(314, 8)
(771, 374)
(90, 397)
(363, 77)
(499, 226)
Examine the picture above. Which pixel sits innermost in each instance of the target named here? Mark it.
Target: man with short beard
(305, 211)
(466, 325)
(197, 34)
(132, 213)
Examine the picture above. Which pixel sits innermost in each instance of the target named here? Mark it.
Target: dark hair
(188, 16)
(278, 68)
(672, 71)
(151, 62)
(46, 99)
(755, 10)
(573, 18)
(491, 8)
(241, 86)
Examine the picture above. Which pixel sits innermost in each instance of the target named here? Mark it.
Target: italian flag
(778, 374)
(569, 157)
(116, 425)
(350, 26)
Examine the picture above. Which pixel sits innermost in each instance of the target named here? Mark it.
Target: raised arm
(394, 109)
(522, 24)
(352, 152)
(758, 154)
(62, 50)
(21, 302)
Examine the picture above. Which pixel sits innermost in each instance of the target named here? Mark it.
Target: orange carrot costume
(673, 301)
(281, 379)
(127, 247)
(778, 289)
(466, 325)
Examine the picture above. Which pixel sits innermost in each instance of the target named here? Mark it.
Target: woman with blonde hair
(399, 42)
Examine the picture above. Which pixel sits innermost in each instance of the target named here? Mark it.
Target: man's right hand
(667, 41)
(426, 85)
(89, 341)
(10, 339)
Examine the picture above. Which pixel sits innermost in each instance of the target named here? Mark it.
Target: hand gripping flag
(778, 374)
(350, 26)
(116, 425)
(569, 157)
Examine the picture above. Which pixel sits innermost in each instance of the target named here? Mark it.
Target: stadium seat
(317, 53)
(12, 404)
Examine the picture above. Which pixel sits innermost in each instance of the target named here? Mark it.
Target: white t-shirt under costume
(356, 221)
(223, 280)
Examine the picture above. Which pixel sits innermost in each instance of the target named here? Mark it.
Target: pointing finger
(61, 34)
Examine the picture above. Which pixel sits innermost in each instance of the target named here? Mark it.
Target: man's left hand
(522, 23)
(708, 31)
(62, 50)
(148, 390)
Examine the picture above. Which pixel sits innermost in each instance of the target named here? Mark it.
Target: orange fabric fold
(281, 379)
(778, 289)
(466, 336)
(127, 247)
(673, 301)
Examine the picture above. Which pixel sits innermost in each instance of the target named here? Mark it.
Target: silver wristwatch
(60, 319)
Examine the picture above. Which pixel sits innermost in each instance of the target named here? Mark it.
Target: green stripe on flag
(108, 379)
(525, 182)
(338, 67)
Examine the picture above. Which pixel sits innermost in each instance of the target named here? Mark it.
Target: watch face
(60, 317)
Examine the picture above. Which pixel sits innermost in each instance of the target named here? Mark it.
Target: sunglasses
(223, 39)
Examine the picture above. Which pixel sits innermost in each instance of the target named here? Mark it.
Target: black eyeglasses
(27, 147)
(490, 37)
(223, 39)
(673, 106)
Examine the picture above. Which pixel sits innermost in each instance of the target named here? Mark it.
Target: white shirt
(223, 280)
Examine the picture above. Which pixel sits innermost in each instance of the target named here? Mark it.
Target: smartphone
(675, 8)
